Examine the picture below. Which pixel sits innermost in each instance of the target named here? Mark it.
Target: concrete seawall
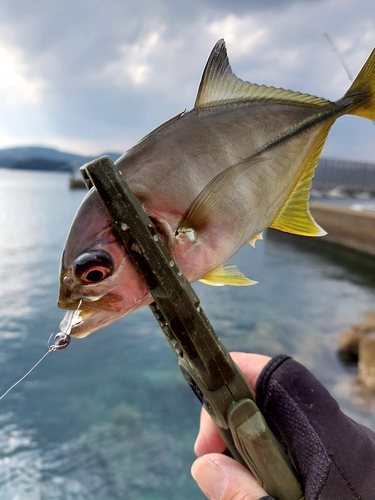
(351, 228)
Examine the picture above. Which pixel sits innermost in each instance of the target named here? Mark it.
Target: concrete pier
(351, 228)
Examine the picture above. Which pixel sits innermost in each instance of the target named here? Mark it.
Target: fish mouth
(88, 307)
(95, 315)
(97, 312)
(90, 321)
(110, 302)
(92, 315)
(86, 314)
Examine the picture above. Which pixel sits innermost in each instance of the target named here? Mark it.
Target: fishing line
(61, 341)
(342, 61)
(26, 374)
(339, 57)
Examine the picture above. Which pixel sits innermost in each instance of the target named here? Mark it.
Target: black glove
(333, 455)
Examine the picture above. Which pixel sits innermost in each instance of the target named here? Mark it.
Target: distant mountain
(39, 158)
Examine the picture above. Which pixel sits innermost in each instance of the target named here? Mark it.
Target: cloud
(100, 75)
(133, 64)
(234, 28)
(17, 90)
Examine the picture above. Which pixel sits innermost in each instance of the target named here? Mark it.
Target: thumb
(222, 478)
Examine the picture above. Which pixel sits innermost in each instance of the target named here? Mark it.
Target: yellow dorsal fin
(226, 275)
(254, 239)
(294, 217)
(219, 85)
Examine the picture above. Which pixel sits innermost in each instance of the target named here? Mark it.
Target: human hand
(313, 429)
(218, 476)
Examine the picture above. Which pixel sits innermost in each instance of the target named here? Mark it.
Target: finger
(251, 365)
(208, 439)
(221, 478)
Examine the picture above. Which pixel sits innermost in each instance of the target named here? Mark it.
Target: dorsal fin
(219, 85)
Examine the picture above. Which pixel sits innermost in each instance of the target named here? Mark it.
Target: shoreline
(346, 227)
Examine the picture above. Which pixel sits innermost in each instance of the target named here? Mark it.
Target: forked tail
(362, 90)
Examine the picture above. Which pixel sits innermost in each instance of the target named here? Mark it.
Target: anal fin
(294, 217)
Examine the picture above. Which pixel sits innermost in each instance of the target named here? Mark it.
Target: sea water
(111, 417)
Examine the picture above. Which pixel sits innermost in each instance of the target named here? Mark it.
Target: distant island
(45, 159)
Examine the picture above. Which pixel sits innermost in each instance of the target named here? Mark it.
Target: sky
(88, 76)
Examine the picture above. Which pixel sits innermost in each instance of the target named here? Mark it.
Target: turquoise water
(110, 417)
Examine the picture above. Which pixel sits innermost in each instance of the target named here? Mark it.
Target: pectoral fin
(214, 200)
(226, 275)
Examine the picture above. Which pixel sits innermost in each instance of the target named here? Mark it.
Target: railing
(350, 176)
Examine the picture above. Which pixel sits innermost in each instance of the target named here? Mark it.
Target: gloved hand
(333, 455)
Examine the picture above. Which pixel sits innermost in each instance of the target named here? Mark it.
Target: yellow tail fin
(364, 85)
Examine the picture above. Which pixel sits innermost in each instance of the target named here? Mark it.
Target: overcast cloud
(89, 76)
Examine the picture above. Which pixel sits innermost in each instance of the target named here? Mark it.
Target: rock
(366, 360)
(349, 345)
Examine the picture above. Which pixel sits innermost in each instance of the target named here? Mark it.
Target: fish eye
(92, 267)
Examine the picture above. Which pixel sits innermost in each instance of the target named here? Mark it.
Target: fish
(211, 179)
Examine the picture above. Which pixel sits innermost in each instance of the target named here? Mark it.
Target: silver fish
(212, 179)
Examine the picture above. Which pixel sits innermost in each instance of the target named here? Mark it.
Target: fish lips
(102, 312)
(92, 314)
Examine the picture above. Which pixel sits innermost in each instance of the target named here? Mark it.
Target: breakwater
(347, 227)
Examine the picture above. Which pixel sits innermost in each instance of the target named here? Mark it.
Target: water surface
(111, 417)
